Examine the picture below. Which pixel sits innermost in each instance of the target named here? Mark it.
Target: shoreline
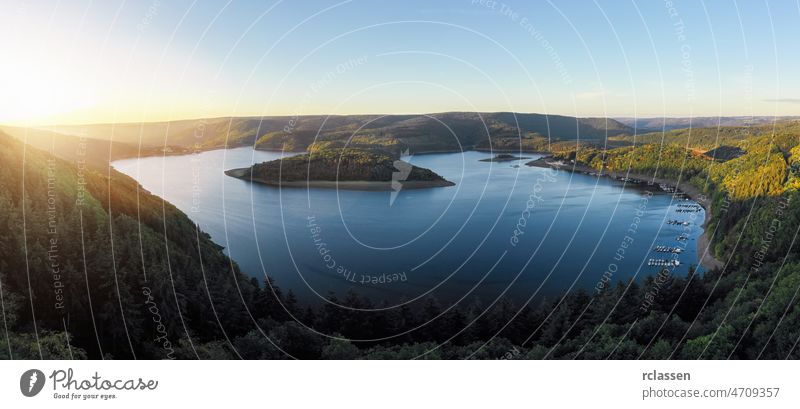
(706, 258)
(190, 151)
(363, 185)
(519, 151)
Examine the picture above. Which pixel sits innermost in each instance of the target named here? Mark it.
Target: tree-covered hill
(707, 138)
(655, 124)
(749, 308)
(96, 152)
(451, 131)
(339, 165)
(91, 257)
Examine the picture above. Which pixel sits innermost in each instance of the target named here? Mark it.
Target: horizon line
(614, 117)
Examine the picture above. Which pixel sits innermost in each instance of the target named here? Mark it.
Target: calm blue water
(451, 242)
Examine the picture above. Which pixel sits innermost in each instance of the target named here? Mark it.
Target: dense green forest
(82, 251)
(707, 138)
(92, 265)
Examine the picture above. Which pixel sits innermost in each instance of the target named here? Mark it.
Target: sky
(81, 61)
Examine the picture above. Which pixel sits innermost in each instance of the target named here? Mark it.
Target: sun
(34, 91)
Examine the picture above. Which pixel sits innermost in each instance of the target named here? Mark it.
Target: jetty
(667, 249)
(678, 223)
(663, 262)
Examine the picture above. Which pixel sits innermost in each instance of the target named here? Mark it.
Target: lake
(503, 229)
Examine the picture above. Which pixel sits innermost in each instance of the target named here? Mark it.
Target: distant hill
(97, 152)
(395, 134)
(782, 133)
(450, 131)
(644, 125)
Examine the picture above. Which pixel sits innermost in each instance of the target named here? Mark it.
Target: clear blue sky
(99, 61)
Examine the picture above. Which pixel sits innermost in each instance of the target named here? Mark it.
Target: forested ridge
(446, 131)
(138, 279)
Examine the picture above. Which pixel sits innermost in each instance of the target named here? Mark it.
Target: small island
(351, 169)
(503, 157)
(549, 162)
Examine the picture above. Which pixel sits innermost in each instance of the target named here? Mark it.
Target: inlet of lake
(504, 229)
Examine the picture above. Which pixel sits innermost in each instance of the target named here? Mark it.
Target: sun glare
(34, 94)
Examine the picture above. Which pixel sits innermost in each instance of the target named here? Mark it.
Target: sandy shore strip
(707, 260)
(244, 174)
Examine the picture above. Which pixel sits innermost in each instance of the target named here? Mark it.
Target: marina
(682, 238)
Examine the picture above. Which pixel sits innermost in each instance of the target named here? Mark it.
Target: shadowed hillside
(85, 256)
